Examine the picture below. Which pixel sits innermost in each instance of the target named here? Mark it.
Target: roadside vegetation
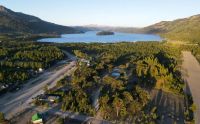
(19, 61)
(195, 49)
(2, 119)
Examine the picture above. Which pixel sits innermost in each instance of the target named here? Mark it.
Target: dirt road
(191, 75)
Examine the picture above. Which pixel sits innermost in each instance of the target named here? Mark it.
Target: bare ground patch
(170, 107)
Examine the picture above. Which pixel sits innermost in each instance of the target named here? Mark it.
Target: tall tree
(118, 105)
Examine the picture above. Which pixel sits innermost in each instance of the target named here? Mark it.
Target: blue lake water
(91, 37)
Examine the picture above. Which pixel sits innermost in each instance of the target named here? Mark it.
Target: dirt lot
(170, 107)
(24, 118)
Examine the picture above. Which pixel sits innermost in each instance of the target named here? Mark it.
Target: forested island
(105, 33)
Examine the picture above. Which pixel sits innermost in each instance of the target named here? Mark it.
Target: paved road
(192, 76)
(13, 103)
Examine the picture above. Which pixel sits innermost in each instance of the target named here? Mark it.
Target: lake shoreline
(91, 37)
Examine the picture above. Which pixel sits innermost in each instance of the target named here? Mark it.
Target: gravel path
(192, 76)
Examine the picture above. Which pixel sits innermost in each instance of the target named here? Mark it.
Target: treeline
(156, 61)
(194, 48)
(78, 99)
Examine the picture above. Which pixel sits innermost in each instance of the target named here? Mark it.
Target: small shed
(37, 119)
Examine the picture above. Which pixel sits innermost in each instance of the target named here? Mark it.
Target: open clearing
(170, 107)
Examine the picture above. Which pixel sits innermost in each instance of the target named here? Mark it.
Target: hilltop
(11, 21)
(187, 29)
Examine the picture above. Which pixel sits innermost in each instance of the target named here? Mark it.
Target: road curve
(192, 76)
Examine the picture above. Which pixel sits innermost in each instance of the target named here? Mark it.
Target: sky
(125, 13)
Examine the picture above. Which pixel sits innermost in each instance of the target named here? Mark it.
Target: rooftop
(36, 117)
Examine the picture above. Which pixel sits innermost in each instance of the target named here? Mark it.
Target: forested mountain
(11, 21)
(187, 29)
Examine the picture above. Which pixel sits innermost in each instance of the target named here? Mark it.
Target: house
(53, 98)
(40, 70)
(4, 86)
(41, 97)
(37, 119)
(85, 61)
(115, 74)
(116, 70)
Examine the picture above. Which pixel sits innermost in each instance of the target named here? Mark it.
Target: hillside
(187, 29)
(108, 28)
(11, 21)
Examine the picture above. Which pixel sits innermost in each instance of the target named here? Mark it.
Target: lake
(91, 37)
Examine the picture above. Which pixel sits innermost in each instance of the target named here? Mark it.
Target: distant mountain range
(187, 29)
(11, 21)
